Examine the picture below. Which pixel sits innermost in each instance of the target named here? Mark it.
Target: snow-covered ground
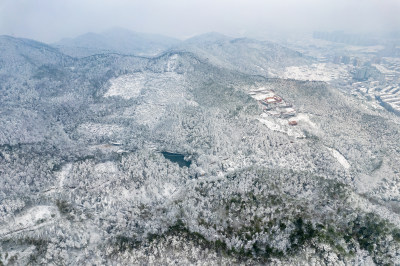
(365, 49)
(131, 86)
(127, 86)
(340, 158)
(64, 174)
(156, 91)
(280, 125)
(34, 217)
(92, 129)
(106, 168)
(305, 118)
(317, 72)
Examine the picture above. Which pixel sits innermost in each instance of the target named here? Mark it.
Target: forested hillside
(87, 173)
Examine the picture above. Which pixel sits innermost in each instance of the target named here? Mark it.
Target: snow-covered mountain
(87, 174)
(116, 40)
(18, 56)
(243, 54)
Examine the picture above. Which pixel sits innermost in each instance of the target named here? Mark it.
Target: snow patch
(340, 158)
(92, 129)
(107, 167)
(32, 218)
(134, 85)
(169, 190)
(157, 91)
(306, 119)
(127, 86)
(280, 125)
(63, 174)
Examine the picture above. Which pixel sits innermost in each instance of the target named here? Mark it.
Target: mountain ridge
(110, 41)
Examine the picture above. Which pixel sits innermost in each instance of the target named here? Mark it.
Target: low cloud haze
(50, 20)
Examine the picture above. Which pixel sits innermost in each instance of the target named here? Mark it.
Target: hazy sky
(50, 20)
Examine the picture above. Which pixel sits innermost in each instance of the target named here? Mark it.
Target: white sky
(51, 20)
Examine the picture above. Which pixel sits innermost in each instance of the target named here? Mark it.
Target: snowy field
(340, 158)
(281, 125)
(155, 92)
(317, 72)
(127, 86)
(34, 217)
(106, 168)
(93, 129)
(63, 174)
(365, 49)
(131, 86)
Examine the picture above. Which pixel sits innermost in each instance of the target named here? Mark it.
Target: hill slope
(21, 55)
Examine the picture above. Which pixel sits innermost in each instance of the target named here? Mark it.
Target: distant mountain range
(243, 54)
(240, 54)
(21, 55)
(116, 40)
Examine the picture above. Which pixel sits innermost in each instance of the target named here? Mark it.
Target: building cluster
(274, 105)
(392, 65)
(347, 60)
(386, 88)
(389, 97)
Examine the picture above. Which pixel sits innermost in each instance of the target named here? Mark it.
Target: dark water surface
(176, 158)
